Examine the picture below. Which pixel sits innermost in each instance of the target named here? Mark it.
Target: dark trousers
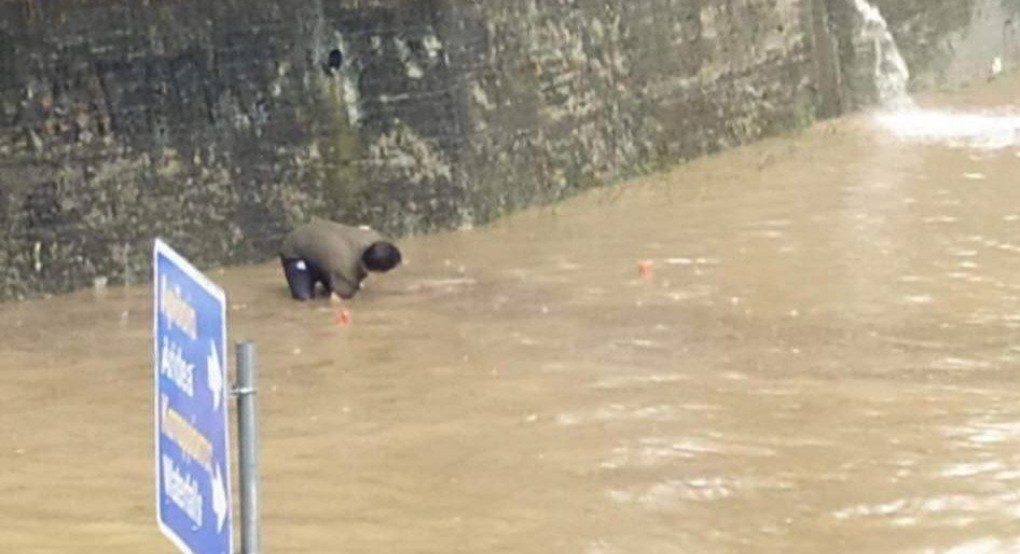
(302, 277)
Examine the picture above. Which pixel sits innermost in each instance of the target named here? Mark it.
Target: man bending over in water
(337, 256)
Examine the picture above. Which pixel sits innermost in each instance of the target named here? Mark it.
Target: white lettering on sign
(182, 490)
(176, 309)
(173, 366)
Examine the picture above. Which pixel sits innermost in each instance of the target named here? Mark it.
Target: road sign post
(248, 460)
(193, 505)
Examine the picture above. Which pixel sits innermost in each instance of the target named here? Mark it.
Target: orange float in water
(343, 317)
(646, 268)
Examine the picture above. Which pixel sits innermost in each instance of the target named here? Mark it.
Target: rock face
(220, 125)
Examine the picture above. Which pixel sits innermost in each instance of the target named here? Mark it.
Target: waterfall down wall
(220, 125)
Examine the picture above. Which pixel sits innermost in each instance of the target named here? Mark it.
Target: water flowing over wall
(220, 125)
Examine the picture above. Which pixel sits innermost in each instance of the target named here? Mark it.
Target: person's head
(381, 256)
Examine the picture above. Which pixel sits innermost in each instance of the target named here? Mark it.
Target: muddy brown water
(823, 359)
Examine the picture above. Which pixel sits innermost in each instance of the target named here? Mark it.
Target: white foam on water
(985, 546)
(902, 117)
(971, 469)
(992, 131)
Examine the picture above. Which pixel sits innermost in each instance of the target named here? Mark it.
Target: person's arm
(341, 286)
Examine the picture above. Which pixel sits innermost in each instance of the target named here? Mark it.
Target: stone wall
(566, 95)
(220, 125)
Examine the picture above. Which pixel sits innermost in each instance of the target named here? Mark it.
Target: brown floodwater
(823, 358)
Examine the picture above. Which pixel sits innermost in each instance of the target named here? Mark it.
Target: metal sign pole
(247, 425)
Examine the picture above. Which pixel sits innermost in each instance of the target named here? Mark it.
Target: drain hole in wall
(335, 59)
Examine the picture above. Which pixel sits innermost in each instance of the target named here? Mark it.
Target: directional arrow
(219, 498)
(214, 376)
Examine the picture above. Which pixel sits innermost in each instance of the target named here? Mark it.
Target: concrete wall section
(122, 121)
(566, 95)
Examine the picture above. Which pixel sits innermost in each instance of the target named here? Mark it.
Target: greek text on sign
(191, 431)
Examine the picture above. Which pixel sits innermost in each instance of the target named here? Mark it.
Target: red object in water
(645, 268)
(343, 317)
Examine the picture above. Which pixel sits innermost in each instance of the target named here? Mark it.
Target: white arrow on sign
(214, 375)
(219, 498)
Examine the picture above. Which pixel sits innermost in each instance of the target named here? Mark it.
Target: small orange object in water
(645, 268)
(343, 317)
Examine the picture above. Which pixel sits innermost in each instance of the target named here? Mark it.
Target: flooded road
(823, 358)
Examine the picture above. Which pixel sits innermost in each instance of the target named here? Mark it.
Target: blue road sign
(192, 460)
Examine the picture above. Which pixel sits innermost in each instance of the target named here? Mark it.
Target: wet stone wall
(220, 125)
